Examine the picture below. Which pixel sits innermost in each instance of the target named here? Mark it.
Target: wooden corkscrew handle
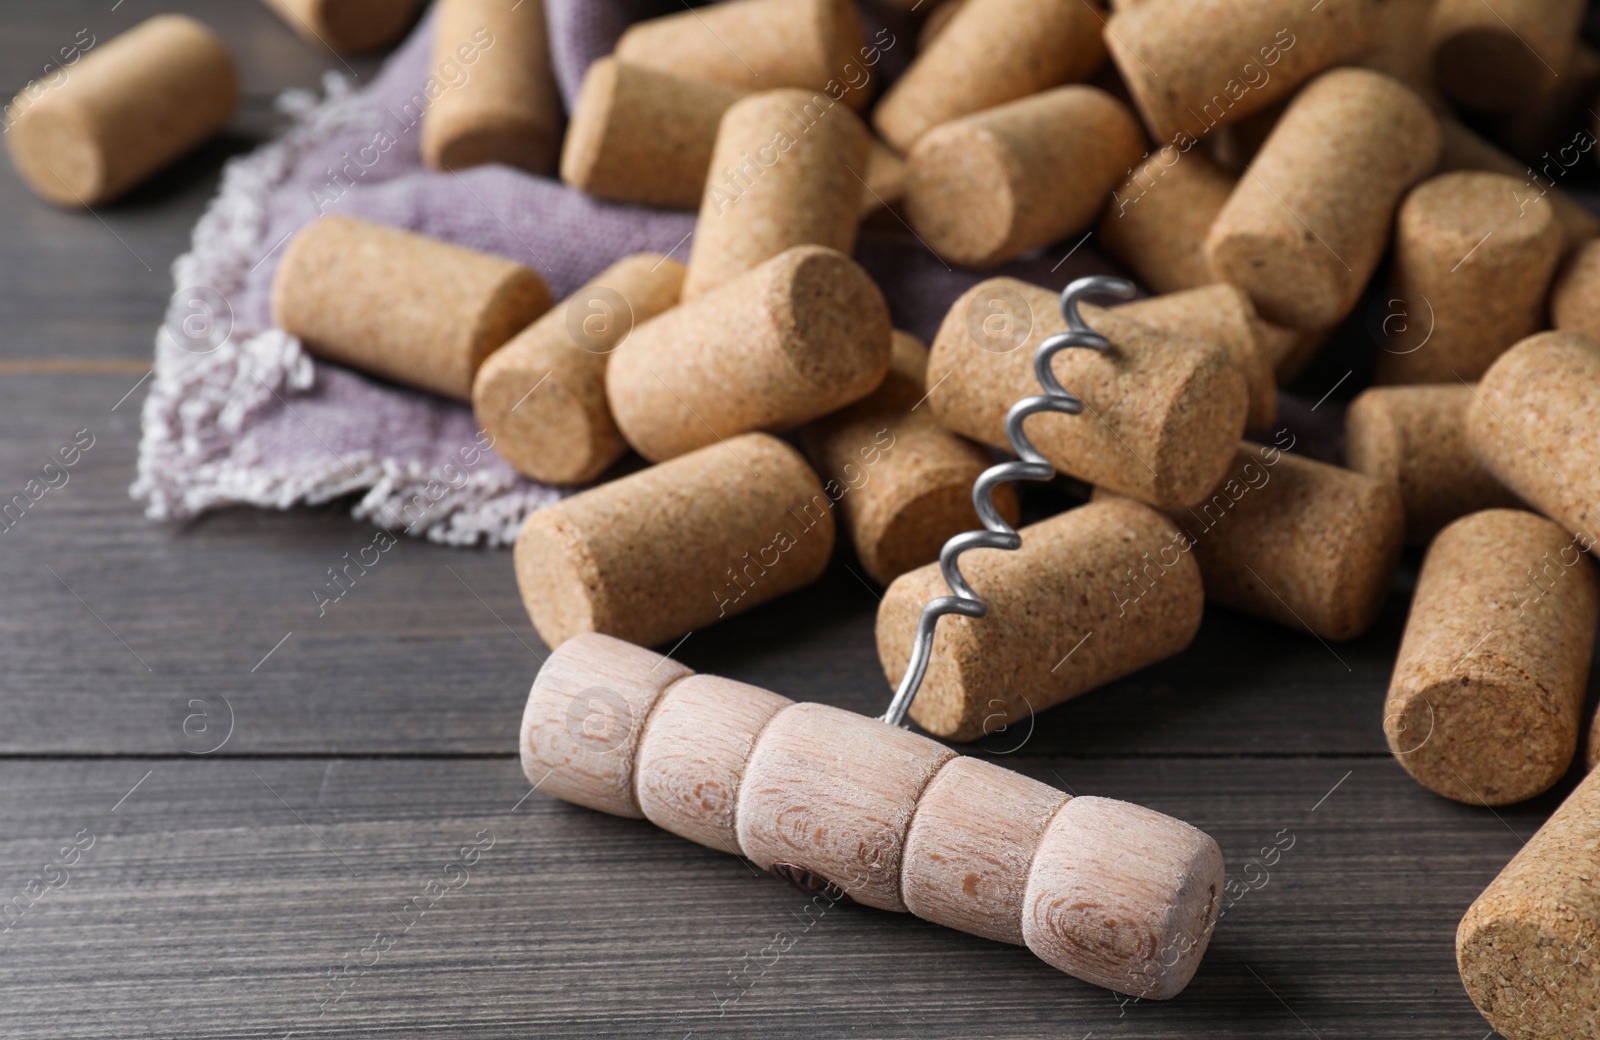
(1112, 893)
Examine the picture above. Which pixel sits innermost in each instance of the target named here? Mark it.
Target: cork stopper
(902, 482)
(1157, 219)
(347, 26)
(989, 53)
(1477, 257)
(542, 396)
(1575, 297)
(989, 187)
(1525, 947)
(787, 170)
(401, 306)
(653, 555)
(506, 108)
(129, 107)
(1162, 414)
(812, 45)
(1461, 149)
(643, 136)
(1303, 232)
(1487, 59)
(1487, 691)
(1415, 438)
(1056, 626)
(802, 335)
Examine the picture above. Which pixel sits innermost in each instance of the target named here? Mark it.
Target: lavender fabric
(239, 413)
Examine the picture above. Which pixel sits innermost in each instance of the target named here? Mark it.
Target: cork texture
(1476, 253)
(1461, 149)
(1059, 622)
(988, 53)
(508, 109)
(130, 107)
(678, 546)
(1305, 228)
(1157, 219)
(1415, 438)
(1488, 688)
(802, 335)
(1535, 425)
(787, 170)
(347, 26)
(1162, 413)
(399, 305)
(542, 396)
(1488, 58)
(643, 136)
(989, 187)
(1575, 297)
(902, 482)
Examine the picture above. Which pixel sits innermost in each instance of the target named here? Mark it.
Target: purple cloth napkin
(239, 413)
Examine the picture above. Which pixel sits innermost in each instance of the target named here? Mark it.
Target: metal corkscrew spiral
(1029, 465)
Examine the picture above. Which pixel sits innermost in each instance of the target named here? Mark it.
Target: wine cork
(659, 553)
(1415, 438)
(903, 482)
(1535, 425)
(643, 136)
(122, 112)
(990, 53)
(1055, 626)
(1487, 693)
(937, 22)
(347, 26)
(507, 108)
(1193, 66)
(1461, 149)
(787, 170)
(885, 179)
(401, 306)
(1304, 230)
(1526, 947)
(802, 335)
(1541, 128)
(1157, 220)
(1292, 540)
(1480, 258)
(1401, 47)
(1218, 314)
(542, 396)
(1575, 297)
(812, 45)
(989, 187)
(1488, 58)
(1162, 413)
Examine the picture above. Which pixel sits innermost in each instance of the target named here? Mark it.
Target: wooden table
(267, 790)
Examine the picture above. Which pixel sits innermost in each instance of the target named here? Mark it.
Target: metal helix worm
(1029, 465)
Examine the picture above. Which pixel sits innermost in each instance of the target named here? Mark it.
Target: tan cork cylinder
(802, 335)
(125, 110)
(991, 52)
(347, 26)
(812, 45)
(1305, 228)
(1526, 947)
(1415, 438)
(989, 187)
(1054, 629)
(903, 483)
(1193, 65)
(1157, 220)
(1575, 297)
(1488, 58)
(1218, 314)
(643, 136)
(1461, 149)
(844, 805)
(399, 305)
(542, 396)
(1485, 702)
(937, 22)
(1535, 425)
(672, 548)
(508, 110)
(1296, 541)
(1482, 261)
(785, 171)
(1162, 416)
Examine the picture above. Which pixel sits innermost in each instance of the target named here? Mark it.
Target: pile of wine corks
(1268, 170)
